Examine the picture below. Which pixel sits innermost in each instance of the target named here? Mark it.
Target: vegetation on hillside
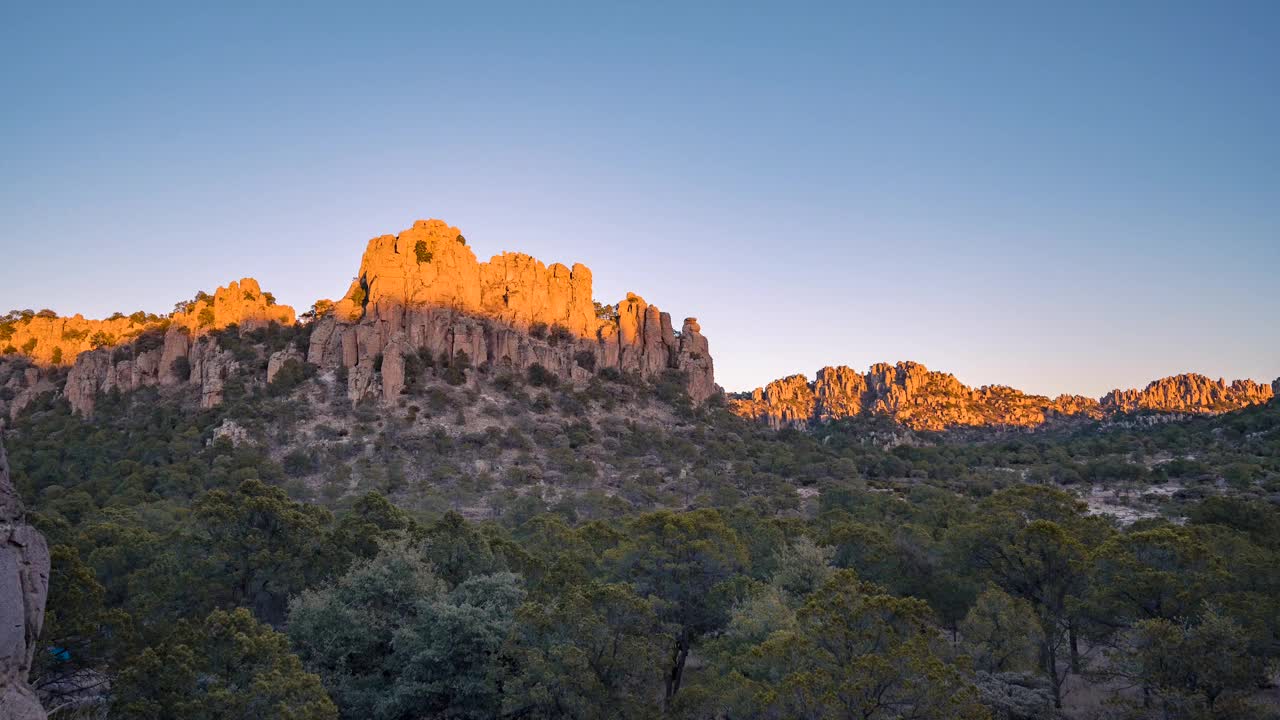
(500, 545)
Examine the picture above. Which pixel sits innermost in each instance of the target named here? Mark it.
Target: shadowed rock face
(24, 586)
(925, 400)
(424, 290)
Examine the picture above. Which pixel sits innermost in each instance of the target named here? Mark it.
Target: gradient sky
(1062, 197)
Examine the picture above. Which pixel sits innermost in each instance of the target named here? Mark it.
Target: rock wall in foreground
(24, 587)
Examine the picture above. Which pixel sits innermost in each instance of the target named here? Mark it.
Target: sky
(1060, 197)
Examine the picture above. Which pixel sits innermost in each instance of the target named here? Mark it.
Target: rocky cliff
(24, 586)
(923, 399)
(169, 350)
(48, 339)
(1189, 393)
(424, 291)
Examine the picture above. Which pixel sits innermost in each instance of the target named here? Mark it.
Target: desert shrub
(538, 330)
(420, 250)
(559, 334)
(181, 367)
(539, 376)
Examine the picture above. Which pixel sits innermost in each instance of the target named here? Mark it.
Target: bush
(538, 330)
(539, 376)
(181, 367)
(559, 334)
(420, 250)
(299, 462)
(585, 360)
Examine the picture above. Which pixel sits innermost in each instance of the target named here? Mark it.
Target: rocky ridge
(420, 292)
(424, 291)
(922, 399)
(24, 587)
(126, 353)
(49, 340)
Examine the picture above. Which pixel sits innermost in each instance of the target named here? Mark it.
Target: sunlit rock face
(176, 349)
(921, 399)
(51, 340)
(1190, 393)
(24, 587)
(424, 290)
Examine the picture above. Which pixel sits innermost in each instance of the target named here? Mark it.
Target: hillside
(467, 489)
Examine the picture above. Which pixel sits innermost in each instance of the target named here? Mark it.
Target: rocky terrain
(419, 297)
(424, 290)
(126, 353)
(922, 399)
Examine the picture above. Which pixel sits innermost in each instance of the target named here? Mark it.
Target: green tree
(228, 666)
(1025, 543)
(856, 652)
(255, 547)
(1002, 633)
(592, 652)
(1197, 668)
(687, 561)
(392, 642)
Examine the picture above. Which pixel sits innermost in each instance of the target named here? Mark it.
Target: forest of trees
(190, 581)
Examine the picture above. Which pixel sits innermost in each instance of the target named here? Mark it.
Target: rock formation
(924, 400)
(21, 382)
(1189, 393)
(24, 586)
(51, 340)
(424, 290)
(176, 349)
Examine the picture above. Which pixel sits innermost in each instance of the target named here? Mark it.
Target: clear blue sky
(1065, 197)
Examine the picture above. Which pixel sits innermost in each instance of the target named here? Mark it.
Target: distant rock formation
(1189, 393)
(424, 290)
(921, 399)
(24, 587)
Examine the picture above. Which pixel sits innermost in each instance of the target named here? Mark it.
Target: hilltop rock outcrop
(24, 587)
(1189, 393)
(424, 291)
(921, 399)
(48, 339)
(177, 349)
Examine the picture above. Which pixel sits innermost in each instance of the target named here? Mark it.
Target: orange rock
(921, 399)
